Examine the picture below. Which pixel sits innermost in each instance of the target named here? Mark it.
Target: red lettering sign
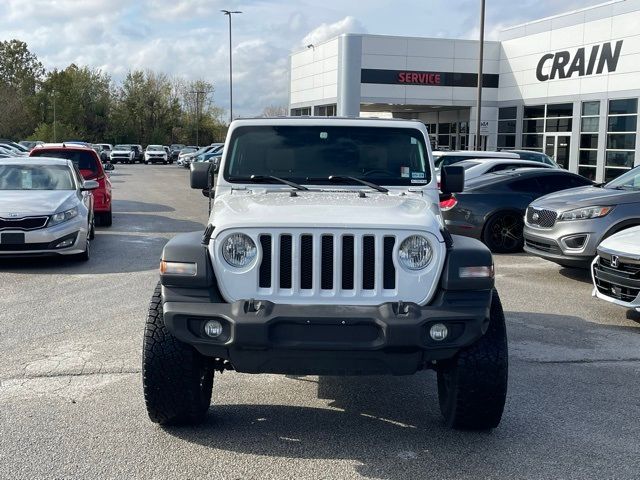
(420, 78)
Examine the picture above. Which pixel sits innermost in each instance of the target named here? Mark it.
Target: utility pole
(480, 69)
(229, 13)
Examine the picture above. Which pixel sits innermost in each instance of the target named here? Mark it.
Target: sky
(189, 38)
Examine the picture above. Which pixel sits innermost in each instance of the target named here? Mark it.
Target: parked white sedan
(46, 208)
(477, 167)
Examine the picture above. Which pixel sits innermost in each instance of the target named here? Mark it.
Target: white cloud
(329, 30)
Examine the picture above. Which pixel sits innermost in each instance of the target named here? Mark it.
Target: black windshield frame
(324, 150)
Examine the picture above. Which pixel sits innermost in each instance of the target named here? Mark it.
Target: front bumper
(391, 338)
(615, 285)
(551, 244)
(43, 241)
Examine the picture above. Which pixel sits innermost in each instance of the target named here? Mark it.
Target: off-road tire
(472, 387)
(176, 379)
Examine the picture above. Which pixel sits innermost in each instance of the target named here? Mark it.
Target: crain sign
(564, 67)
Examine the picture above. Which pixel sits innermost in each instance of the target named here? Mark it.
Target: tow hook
(253, 306)
(401, 308)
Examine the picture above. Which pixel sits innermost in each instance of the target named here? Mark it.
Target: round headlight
(239, 250)
(415, 252)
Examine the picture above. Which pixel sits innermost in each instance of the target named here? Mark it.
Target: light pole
(229, 13)
(480, 68)
(198, 93)
(54, 117)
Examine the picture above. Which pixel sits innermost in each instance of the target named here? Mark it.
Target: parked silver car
(567, 227)
(615, 270)
(46, 208)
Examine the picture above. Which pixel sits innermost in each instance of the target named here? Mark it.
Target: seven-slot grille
(326, 261)
(25, 223)
(541, 217)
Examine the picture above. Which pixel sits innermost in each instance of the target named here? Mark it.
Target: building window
(533, 127)
(622, 121)
(325, 111)
(299, 112)
(507, 127)
(588, 152)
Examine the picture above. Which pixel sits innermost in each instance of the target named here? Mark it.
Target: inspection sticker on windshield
(417, 174)
(418, 181)
(404, 172)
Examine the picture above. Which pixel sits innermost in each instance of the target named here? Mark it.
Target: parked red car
(90, 166)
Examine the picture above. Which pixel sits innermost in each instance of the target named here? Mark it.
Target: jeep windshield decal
(311, 154)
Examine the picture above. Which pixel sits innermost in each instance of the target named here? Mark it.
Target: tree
(275, 111)
(20, 74)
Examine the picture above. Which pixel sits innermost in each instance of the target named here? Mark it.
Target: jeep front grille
(327, 262)
(540, 217)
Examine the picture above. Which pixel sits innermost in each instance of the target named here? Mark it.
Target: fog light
(66, 243)
(438, 332)
(213, 328)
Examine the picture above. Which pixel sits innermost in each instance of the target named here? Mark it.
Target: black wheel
(472, 387)
(146, 163)
(92, 229)
(106, 219)
(503, 232)
(164, 162)
(176, 379)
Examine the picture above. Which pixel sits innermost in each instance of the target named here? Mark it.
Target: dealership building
(567, 85)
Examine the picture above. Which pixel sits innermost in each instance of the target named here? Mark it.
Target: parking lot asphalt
(71, 401)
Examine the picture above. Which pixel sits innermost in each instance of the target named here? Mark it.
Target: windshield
(155, 148)
(628, 181)
(35, 177)
(310, 154)
(122, 147)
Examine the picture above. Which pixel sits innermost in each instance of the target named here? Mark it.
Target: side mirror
(89, 185)
(451, 179)
(201, 175)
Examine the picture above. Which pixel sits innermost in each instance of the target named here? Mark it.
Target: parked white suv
(326, 254)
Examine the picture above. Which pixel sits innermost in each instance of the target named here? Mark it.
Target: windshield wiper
(338, 178)
(267, 178)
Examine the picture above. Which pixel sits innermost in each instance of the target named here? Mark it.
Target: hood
(625, 243)
(585, 197)
(335, 209)
(35, 202)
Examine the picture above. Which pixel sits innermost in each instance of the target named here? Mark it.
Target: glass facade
(449, 135)
(507, 118)
(622, 122)
(325, 110)
(299, 112)
(588, 152)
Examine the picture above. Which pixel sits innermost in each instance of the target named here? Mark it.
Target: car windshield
(310, 154)
(36, 177)
(155, 148)
(628, 181)
(84, 160)
(122, 147)
(446, 160)
(188, 150)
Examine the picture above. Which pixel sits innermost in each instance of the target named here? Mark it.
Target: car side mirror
(201, 175)
(88, 185)
(451, 179)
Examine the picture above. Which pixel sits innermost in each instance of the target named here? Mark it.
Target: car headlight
(585, 213)
(415, 252)
(60, 217)
(239, 250)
